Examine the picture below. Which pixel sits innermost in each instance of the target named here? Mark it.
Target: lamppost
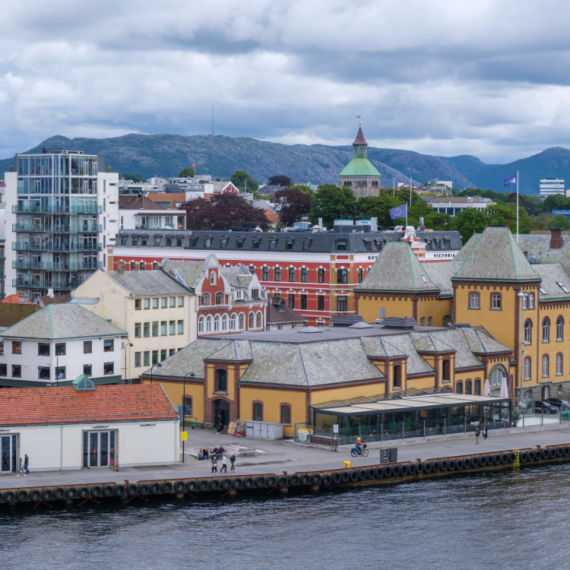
(158, 365)
(523, 297)
(192, 375)
(129, 345)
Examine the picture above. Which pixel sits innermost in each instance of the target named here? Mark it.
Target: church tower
(359, 174)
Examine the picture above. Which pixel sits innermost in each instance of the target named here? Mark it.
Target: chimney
(555, 238)
(50, 293)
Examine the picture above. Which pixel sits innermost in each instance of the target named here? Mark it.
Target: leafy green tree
(506, 215)
(244, 181)
(468, 222)
(559, 222)
(187, 173)
(331, 203)
(534, 203)
(555, 202)
(130, 176)
(280, 180)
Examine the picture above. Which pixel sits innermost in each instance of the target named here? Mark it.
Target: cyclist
(358, 445)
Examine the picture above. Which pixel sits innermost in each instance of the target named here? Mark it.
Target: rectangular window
(429, 322)
(320, 303)
(108, 345)
(291, 300)
(146, 330)
(163, 302)
(265, 274)
(180, 301)
(155, 328)
(88, 370)
(163, 328)
(44, 372)
(16, 371)
(146, 304)
(154, 357)
(3, 369)
(137, 359)
(60, 372)
(257, 412)
(306, 245)
(137, 330)
(474, 300)
(285, 414)
(360, 275)
(1, 347)
(172, 301)
(172, 327)
(88, 346)
(304, 275)
(496, 304)
(341, 303)
(60, 349)
(162, 355)
(155, 303)
(138, 305)
(321, 275)
(43, 349)
(303, 302)
(108, 368)
(277, 274)
(291, 274)
(16, 347)
(146, 358)
(180, 327)
(171, 351)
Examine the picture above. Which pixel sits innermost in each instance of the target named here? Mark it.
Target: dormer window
(193, 241)
(168, 241)
(306, 245)
(213, 278)
(124, 240)
(223, 242)
(238, 295)
(157, 240)
(239, 243)
(341, 245)
(273, 244)
(144, 240)
(367, 245)
(135, 240)
(208, 242)
(179, 241)
(289, 244)
(256, 243)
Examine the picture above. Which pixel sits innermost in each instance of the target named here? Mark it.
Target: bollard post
(424, 429)
(542, 416)
(464, 425)
(523, 419)
(403, 434)
(444, 427)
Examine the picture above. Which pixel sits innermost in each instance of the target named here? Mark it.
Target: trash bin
(389, 455)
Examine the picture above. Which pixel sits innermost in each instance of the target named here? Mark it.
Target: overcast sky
(443, 77)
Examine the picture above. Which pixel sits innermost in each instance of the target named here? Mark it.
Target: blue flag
(511, 180)
(399, 212)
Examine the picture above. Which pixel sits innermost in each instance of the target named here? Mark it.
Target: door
(99, 448)
(8, 445)
(221, 413)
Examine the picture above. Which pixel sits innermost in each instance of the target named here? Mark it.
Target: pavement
(284, 455)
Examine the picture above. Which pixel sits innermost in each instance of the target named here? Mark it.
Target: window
(209, 323)
(446, 372)
(272, 244)
(285, 414)
(546, 330)
(146, 358)
(397, 376)
(291, 302)
(545, 366)
(172, 302)
(172, 327)
(528, 332)
(468, 387)
(154, 357)
(255, 243)
(155, 263)
(342, 276)
(180, 327)
(257, 412)
(60, 349)
(321, 276)
(163, 302)
(560, 328)
(60, 372)
(16, 371)
(341, 245)
(239, 243)
(172, 351)
(459, 388)
(559, 366)
(233, 322)
(88, 369)
(422, 322)
(474, 301)
(225, 322)
(205, 299)
(430, 321)
(142, 266)
(108, 368)
(201, 323)
(265, 274)
(155, 328)
(132, 264)
(446, 321)
(16, 347)
(3, 369)
(44, 372)
(531, 301)
(496, 304)
(304, 275)
(220, 298)
(155, 303)
(320, 303)
(137, 359)
(259, 320)
(108, 345)
(163, 328)
(360, 273)
(252, 269)
(163, 354)
(146, 304)
(289, 244)
(255, 293)
(477, 388)
(137, 305)
(217, 322)
(208, 242)
(137, 330)
(241, 321)
(88, 345)
(221, 381)
(306, 245)
(213, 278)
(303, 302)
(291, 274)
(146, 330)
(527, 368)
(342, 303)
(277, 274)
(187, 406)
(43, 349)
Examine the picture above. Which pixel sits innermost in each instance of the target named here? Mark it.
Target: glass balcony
(30, 246)
(51, 266)
(56, 209)
(54, 229)
(25, 283)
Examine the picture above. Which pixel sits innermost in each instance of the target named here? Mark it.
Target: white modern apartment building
(551, 187)
(62, 213)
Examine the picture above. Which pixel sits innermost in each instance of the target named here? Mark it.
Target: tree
(331, 203)
(555, 202)
(222, 212)
(506, 215)
(244, 181)
(468, 222)
(187, 173)
(130, 176)
(280, 180)
(559, 222)
(295, 205)
(109, 169)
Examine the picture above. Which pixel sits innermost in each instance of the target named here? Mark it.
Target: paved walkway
(283, 455)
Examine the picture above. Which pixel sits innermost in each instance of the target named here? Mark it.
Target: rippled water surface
(495, 521)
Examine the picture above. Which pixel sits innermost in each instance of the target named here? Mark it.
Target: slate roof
(147, 283)
(496, 256)
(538, 247)
(279, 313)
(65, 321)
(138, 203)
(66, 405)
(187, 272)
(47, 300)
(552, 274)
(441, 273)
(10, 313)
(397, 269)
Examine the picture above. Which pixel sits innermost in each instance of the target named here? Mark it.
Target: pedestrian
(477, 434)
(233, 461)
(206, 454)
(21, 470)
(214, 464)
(26, 464)
(221, 427)
(224, 468)
(484, 433)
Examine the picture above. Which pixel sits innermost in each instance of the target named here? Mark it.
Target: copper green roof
(359, 167)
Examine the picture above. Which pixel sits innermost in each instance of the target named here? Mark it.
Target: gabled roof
(47, 300)
(397, 269)
(496, 256)
(279, 313)
(138, 203)
(554, 279)
(65, 405)
(186, 272)
(11, 313)
(147, 283)
(66, 321)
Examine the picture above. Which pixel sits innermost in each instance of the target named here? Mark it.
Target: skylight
(563, 287)
(542, 291)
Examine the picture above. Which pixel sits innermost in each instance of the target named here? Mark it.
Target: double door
(99, 448)
(8, 453)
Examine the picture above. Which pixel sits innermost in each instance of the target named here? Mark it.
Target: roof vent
(83, 383)
(361, 325)
(309, 330)
(463, 326)
(399, 323)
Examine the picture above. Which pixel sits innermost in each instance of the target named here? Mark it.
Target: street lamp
(158, 365)
(523, 297)
(129, 345)
(192, 375)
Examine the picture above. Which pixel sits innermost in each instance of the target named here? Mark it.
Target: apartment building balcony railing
(50, 229)
(30, 246)
(50, 266)
(23, 283)
(56, 209)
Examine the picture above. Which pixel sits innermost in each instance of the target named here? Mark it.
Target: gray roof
(397, 269)
(496, 256)
(186, 272)
(147, 283)
(441, 273)
(63, 321)
(552, 274)
(464, 252)
(237, 276)
(538, 246)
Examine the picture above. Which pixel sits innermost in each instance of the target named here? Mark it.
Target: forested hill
(166, 155)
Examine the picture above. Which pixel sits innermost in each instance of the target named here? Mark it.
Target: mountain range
(166, 155)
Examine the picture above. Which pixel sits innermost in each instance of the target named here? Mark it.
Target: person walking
(214, 464)
(477, 434)
(224, 468)
(233, 462)
(484, 433)
(26, 464)
(21, 469)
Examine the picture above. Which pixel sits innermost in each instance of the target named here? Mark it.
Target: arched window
(133, 266)
(446, 369)
(213, 278)
(258, 412)
(422, 322)
(559, 328)
(285, 413)
(217, 322)
(527, 368)
(259, 320)
(201, 323)
(205, 299)
(225, 322)
(446, 321)
(187, 406)
(233, 322)
(459, 388)
(468, 387)
(477, 388)
(546, 330)
(528, 332)
(241, 321)
(221, 381)
(545, 366)
(250, 321)
(220, 298)
(559, 365)
(209, 322)
(155, 265)
(121, 266)
(497, 378)
(142, 266)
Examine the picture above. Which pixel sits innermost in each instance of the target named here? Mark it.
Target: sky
(442, 77)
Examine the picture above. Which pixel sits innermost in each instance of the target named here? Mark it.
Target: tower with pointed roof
(359, 174)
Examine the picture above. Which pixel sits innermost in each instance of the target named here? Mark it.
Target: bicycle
(362, 451)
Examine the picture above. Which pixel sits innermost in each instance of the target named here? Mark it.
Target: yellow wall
(434, 308)
(175, 391)
(369, 307)
(347, 392)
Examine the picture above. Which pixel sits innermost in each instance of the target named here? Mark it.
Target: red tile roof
(16, 299)
(65, 405)
(11, 313)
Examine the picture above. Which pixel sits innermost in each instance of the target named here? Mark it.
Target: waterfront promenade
(282, 456)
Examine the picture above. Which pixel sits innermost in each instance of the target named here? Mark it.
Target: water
(489, 521)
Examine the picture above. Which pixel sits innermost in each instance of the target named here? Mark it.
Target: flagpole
(517, 206)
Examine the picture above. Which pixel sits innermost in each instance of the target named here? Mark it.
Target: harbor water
(500, 520)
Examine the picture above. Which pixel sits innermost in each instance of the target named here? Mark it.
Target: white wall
(11, 196)
(108, 199)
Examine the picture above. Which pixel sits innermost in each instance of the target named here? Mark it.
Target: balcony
(56, 209)
(51, 229)
(23, 283)
(50, 266)
(27, 246)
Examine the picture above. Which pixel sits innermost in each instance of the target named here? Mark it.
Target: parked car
(544, 407)
(563, 405)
